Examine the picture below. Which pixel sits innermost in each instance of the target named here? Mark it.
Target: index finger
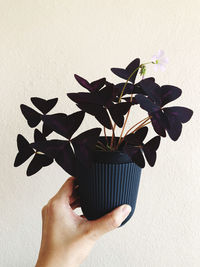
(66, 189)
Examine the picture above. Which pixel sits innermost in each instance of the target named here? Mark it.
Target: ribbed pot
(112, 180)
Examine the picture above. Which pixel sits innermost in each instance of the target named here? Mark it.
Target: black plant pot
(112, 180)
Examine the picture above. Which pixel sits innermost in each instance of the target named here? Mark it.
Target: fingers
(74, 195)
(75, 204)
(66, 190)
(109, 222)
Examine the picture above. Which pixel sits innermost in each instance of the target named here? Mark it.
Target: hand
(67, 238)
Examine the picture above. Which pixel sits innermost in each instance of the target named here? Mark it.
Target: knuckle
(52, 205)
(114, 222)
(88, 231)
(43, 210)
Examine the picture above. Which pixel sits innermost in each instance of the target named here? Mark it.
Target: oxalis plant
(110, 104)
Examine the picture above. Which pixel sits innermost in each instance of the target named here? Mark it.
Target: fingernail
(126, 210)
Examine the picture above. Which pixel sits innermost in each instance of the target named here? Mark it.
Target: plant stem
(119, 101)
(130, 107)
(104, 129)
(113, 132)
(146, 123)
(125, 122)
(135, 125)
(140, 126)
(100, 143)
(101, 148)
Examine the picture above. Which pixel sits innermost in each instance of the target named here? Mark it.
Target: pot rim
(115, 157)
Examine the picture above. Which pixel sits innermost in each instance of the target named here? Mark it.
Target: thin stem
(113, 132)
(130, 101)
(135, 125)
(119, 101)
(140, 126)
(126, 83)
(104, 128)
(101, 148)
(100, 143)
(146, 123)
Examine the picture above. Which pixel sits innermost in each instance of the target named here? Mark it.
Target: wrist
(55, 260)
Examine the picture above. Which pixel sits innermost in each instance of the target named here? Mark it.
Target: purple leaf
(107, 94)
(169, 93)
(182, 113)
(138, 87)
(51, 147)
(98, 111)
(84, 145)
(137, 138)
(146, 104)
(128, 99)
(135, 154)
(129, 89)
(159, 122)
(125, 73)
(46, 130)
(61, 151)
(117, 112)
(80, 98)
(38, 136)
(63, 124)
(38, 161)
(150, 149)
(44, 105)
(93, 86)
(152, 89)
(175, 127)
(25, 150)
(33, 118)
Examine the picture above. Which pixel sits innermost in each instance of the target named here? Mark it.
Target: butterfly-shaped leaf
(152, 90)
(137, 138)
(63, 124)
(136, 88)
(38, 161)
(25, 150)
(44, 105)
(93, 86)
(169, 93)
(33, 117)
(80, 98)
(98, 111)
(117, 112)
(84, 145)
(61, 151)
(134, 146)
(146, 104)
(150, 149)
(46, 130)
(135, 154)
(182, 113)
(126, 73)
(38, 136)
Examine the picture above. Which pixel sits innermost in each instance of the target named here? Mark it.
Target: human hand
(67, 238)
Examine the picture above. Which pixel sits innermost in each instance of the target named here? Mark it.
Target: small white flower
(160, 61)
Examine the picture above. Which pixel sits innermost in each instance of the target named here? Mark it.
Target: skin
(68, 238)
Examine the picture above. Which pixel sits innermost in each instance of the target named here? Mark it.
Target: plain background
(42, 44)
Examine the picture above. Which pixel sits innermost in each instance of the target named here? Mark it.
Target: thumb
(109, 221)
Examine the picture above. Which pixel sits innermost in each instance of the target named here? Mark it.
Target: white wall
(42, 44)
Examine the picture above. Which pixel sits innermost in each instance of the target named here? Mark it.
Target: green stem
(100, 148)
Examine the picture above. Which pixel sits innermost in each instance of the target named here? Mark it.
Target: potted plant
(107, 167)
